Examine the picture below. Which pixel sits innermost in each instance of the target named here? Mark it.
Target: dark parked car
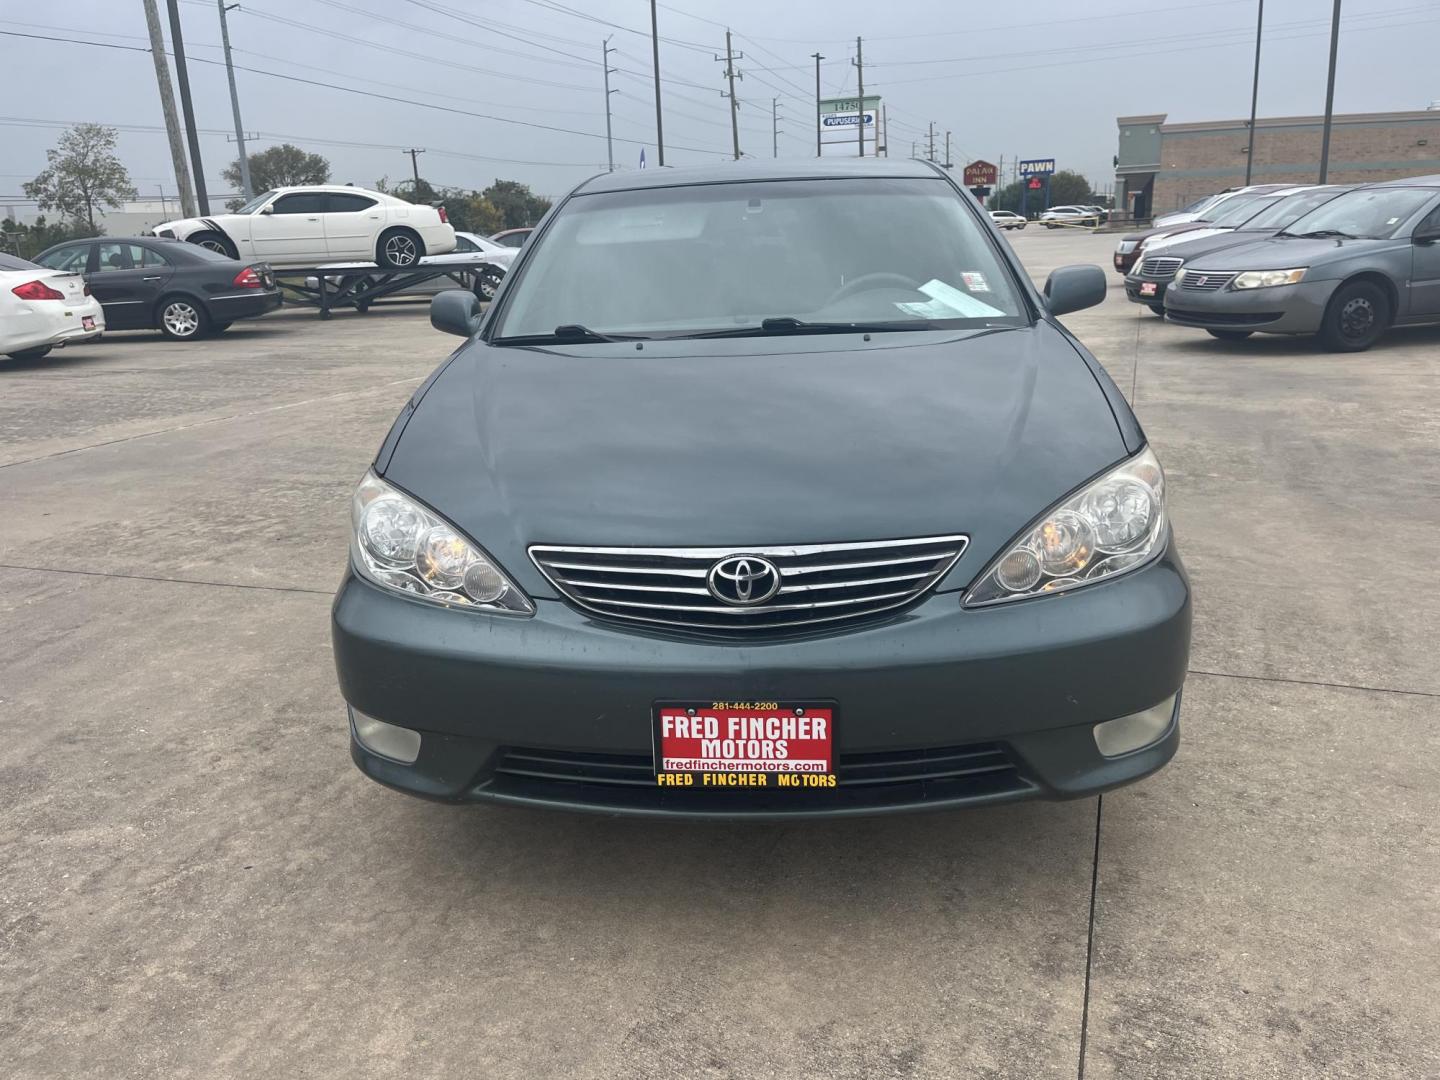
(1151, 276)
(183, 290)
(764, 490)
(1346, 272)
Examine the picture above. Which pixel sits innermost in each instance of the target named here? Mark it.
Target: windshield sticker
(975, 281)
(948, 302)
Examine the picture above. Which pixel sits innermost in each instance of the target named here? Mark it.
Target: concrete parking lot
(197, 883)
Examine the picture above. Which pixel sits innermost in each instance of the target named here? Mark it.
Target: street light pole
(659, 120)
(1330, 93)
(775, 127)
(818, 58)
(860, 83)
(1254, 94)
(235, 102)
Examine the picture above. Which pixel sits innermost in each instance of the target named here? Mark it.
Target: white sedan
(41, 308)
(1007, 219)
(305, 226)
(1057, 216)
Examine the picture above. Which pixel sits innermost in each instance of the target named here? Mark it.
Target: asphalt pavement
(197, 883)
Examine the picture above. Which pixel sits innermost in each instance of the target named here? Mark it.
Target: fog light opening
(1136, 731)
(388, 740)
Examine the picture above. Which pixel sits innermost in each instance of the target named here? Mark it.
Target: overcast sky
(1049, 83)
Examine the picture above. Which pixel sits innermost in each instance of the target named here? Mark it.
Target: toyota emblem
(743, 580)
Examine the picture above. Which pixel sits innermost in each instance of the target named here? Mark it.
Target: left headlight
(400, 545)
(1264, 279)
(1115, 524)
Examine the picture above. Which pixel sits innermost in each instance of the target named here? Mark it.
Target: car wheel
(1158, 309)
(1230, 335)
(488, 281)
(213, 241)
(32, 354)
(398, 249)
(181, 318)
(1356, 317)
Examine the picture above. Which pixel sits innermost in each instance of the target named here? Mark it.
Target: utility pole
(177, 42)
(235, 102)
(860, 84)
(659, 121)
(1254, 94)
(931, 153)
(730, 58)
(605, 51)
(415, 153)
(883, 130)
(818, 58)
(1330, 94)
(948, 163)
(775, 127)
(167, 106)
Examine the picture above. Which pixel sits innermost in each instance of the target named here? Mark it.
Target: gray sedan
(1346, 272)
(766, 490)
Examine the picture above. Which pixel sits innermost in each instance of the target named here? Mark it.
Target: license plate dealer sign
(720, 745)
(1147, 288)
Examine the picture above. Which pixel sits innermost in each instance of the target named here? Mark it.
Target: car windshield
(866, 253)
(1366, 213)
(254, 204)
(1196, 206)
(1235, 211)
(1226, 205)
(1282, 212)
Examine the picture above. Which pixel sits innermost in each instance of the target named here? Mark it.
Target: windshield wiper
(1323, 234)
(787, 324)
(567, 332)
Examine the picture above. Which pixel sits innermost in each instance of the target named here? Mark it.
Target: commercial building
(1160, 167)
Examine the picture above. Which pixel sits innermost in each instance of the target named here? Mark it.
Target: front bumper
(949, 706)
(1284, 309)
(1132, 289)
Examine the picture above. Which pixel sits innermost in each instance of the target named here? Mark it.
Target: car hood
(182, 227)
(744, 442)
(1285, 253)
(1165, 230)
(1204, 242)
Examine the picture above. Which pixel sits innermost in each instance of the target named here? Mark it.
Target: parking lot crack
(1316, 682)
(168, 580)
(1090, 934)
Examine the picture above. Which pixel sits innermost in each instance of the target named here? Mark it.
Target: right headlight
(1268, 279)
(1115, 524)
(403, 546)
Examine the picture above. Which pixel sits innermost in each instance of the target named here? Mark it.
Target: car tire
(1158, 309)
(213, 241)
(1356, 317)
(32, 354)
(1230, 335)
(487, 282)
(399, 249)
(181, 318)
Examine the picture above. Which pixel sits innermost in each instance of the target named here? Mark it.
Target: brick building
(1162, 167)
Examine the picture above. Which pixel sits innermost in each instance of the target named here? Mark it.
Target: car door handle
(157, 277)
(312, 219)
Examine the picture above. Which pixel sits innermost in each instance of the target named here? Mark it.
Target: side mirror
(268, 209)
(456, 311)
(1074, 288)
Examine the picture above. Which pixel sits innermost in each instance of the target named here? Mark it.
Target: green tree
(27, 241)
(468, 211)
(84, 175)
(1069, 187)
(279, 166)
(517, 204)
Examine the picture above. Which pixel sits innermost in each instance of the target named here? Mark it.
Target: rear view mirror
(1074, 288)
(456, 311)
(267, 209)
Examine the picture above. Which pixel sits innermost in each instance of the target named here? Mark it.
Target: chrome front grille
(1160, 266)
(1202, 281)
(818, 583)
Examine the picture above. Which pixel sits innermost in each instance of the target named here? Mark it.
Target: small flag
(642, 157)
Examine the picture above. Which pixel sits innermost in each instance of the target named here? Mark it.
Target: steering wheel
(865, 282)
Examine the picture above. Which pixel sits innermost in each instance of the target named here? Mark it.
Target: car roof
(337, 188)
(753, 171)
(1432, 181)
